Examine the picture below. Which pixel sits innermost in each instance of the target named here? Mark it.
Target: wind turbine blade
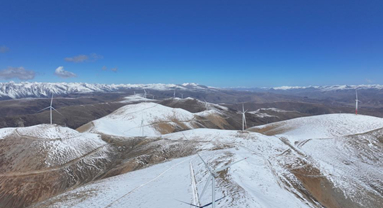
(227, 166)
(207, 166)
(206, 205)
(44, 109)
(57, 111)
(188, 203)
(52, 100)
(206, 185)
(356, 94)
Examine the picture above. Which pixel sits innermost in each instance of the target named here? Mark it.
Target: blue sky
(257, 43)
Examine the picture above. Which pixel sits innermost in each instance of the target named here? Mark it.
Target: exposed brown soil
(271, 129)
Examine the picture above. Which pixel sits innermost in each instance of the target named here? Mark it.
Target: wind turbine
(142, 126)
(182, 96)
(356, 102)
(206, 105)
(201, 206)
(50, 107)
(244, 125)
(174, 94)
(213, 175)
(144, 93)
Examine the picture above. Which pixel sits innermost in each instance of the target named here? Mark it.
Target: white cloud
(115, 69)
(84, 58)
(4, 49)
(369, 81)
(63, 74)
(17, 72)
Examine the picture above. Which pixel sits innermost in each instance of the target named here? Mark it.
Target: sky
(256, 43)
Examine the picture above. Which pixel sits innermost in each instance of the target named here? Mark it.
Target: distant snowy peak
(39, 89)
(330, 88)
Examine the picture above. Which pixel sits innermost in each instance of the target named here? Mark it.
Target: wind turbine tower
(144, 93)
(174, 94)
(356, 102)
(207, 105)
(50, 107)
(142, 126)
(244, 125)
(213, 175)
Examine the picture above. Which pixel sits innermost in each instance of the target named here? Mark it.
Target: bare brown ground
(322, 189)
(218, 121)
(271, 129)
(85, 127)
(164, 127)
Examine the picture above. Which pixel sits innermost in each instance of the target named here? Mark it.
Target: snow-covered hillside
(149, 119)
(40, 89)
(311, 163)
(39, 162)
(49, 145)
(319, 161)
(322, 126)
(169, 183)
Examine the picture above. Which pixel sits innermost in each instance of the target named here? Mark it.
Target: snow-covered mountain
(41, 161)
(121, 159)
(322, 168)
(39, 89)
(313, 88)
(331, 87)
(152, 119)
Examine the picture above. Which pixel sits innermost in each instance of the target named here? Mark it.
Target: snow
(261, 115)
(145, 119)
(350, 163)
(270, 109)
(335, 144)
(264, 179)
(325, 126)
(143, 188)
(127, 120)
(330, 88)
(293, 87)
(46, 131)
(250, 183)
(5, 132)
(136, 98)
(41, 89)
(57, 145)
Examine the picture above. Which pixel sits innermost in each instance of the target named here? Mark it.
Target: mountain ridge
(45, 89)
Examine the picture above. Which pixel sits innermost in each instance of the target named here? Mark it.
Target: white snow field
(250, 183)
(323, 126)
(280, 170)
(141, 119)
(136, 98)
(53, 144)
(145, 119)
